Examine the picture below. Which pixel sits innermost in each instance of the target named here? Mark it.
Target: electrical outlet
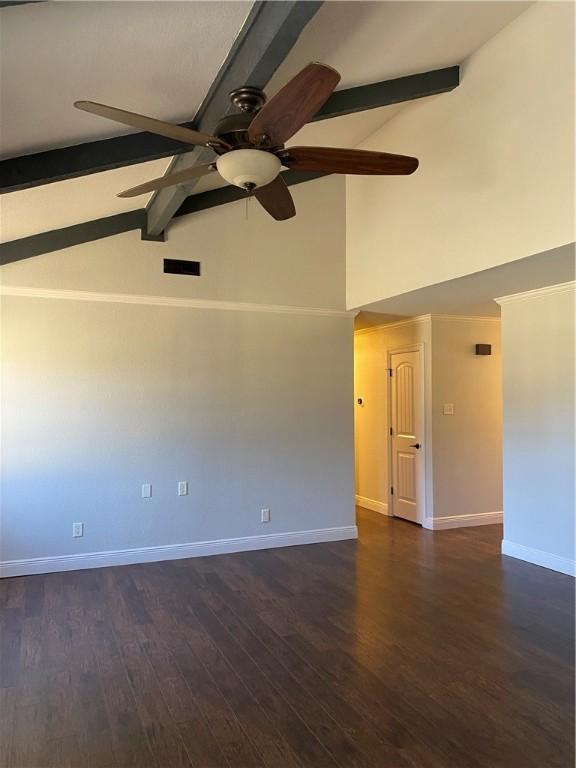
(77, 530)
(264, 515)
(183, 488)
(146, 490)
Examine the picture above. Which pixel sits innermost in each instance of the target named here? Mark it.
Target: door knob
(416, 445)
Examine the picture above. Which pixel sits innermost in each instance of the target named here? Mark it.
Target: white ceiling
(157, 58)
(371, 41)
(475, 294)
(154, 58)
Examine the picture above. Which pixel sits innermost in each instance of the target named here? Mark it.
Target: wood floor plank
(283, 717)
(204, 718)
(129, 740)
(259, 642)
(64, 752)
(389, 729)
(178, 629)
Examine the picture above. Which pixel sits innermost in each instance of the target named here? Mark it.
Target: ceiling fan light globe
(248, 168)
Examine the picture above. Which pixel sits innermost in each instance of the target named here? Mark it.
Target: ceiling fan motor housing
(248, 168)
(233, 129)
(244, 165)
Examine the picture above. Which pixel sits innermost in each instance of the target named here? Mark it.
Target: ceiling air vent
(181, 267)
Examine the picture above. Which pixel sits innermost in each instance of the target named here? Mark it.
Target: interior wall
(496, 175)
(467, 461)
(251, 405)
(463, 452)
(538, 354)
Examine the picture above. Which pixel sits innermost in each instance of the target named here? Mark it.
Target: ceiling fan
(250, 143)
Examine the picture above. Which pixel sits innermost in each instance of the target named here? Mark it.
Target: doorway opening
(428, 420)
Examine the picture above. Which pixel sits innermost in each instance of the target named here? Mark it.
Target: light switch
(448, 409)
(146, 490)
(183, 488)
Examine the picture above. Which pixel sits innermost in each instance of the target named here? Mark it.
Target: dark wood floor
(407, 648)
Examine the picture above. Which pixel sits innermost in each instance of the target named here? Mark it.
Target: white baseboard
(539, 557)
(172, 551)
(463, 521)
(372, 505)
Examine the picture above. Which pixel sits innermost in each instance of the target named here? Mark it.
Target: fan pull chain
(249, 197)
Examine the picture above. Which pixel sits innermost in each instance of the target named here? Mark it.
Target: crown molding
(419, 319)
(428, 318)
(168, 301)
(547, 290)
(467, 318)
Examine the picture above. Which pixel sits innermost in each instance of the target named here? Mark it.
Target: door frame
(419, 347)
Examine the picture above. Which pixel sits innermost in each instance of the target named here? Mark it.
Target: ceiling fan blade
(276, 199)
(348, 161)
(294, 105)
(168, 181)
(143, 123)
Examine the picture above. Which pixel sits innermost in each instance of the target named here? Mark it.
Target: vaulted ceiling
(160, 58)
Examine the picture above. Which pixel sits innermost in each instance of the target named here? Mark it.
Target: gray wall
(538, 360)
(467, 459)
(252, 408)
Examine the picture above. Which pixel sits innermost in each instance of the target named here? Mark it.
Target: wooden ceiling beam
(7, 3)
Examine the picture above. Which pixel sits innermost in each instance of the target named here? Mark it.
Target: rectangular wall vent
(181, 267)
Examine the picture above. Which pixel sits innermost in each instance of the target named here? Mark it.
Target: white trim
(463, 521)
(372, 505)
(167, 301)
(427, 318)
(172, 551)
(539, 557)
(468, 318)
(398, 324)
(537, 293)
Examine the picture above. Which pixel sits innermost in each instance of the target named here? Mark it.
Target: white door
(406, 435)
